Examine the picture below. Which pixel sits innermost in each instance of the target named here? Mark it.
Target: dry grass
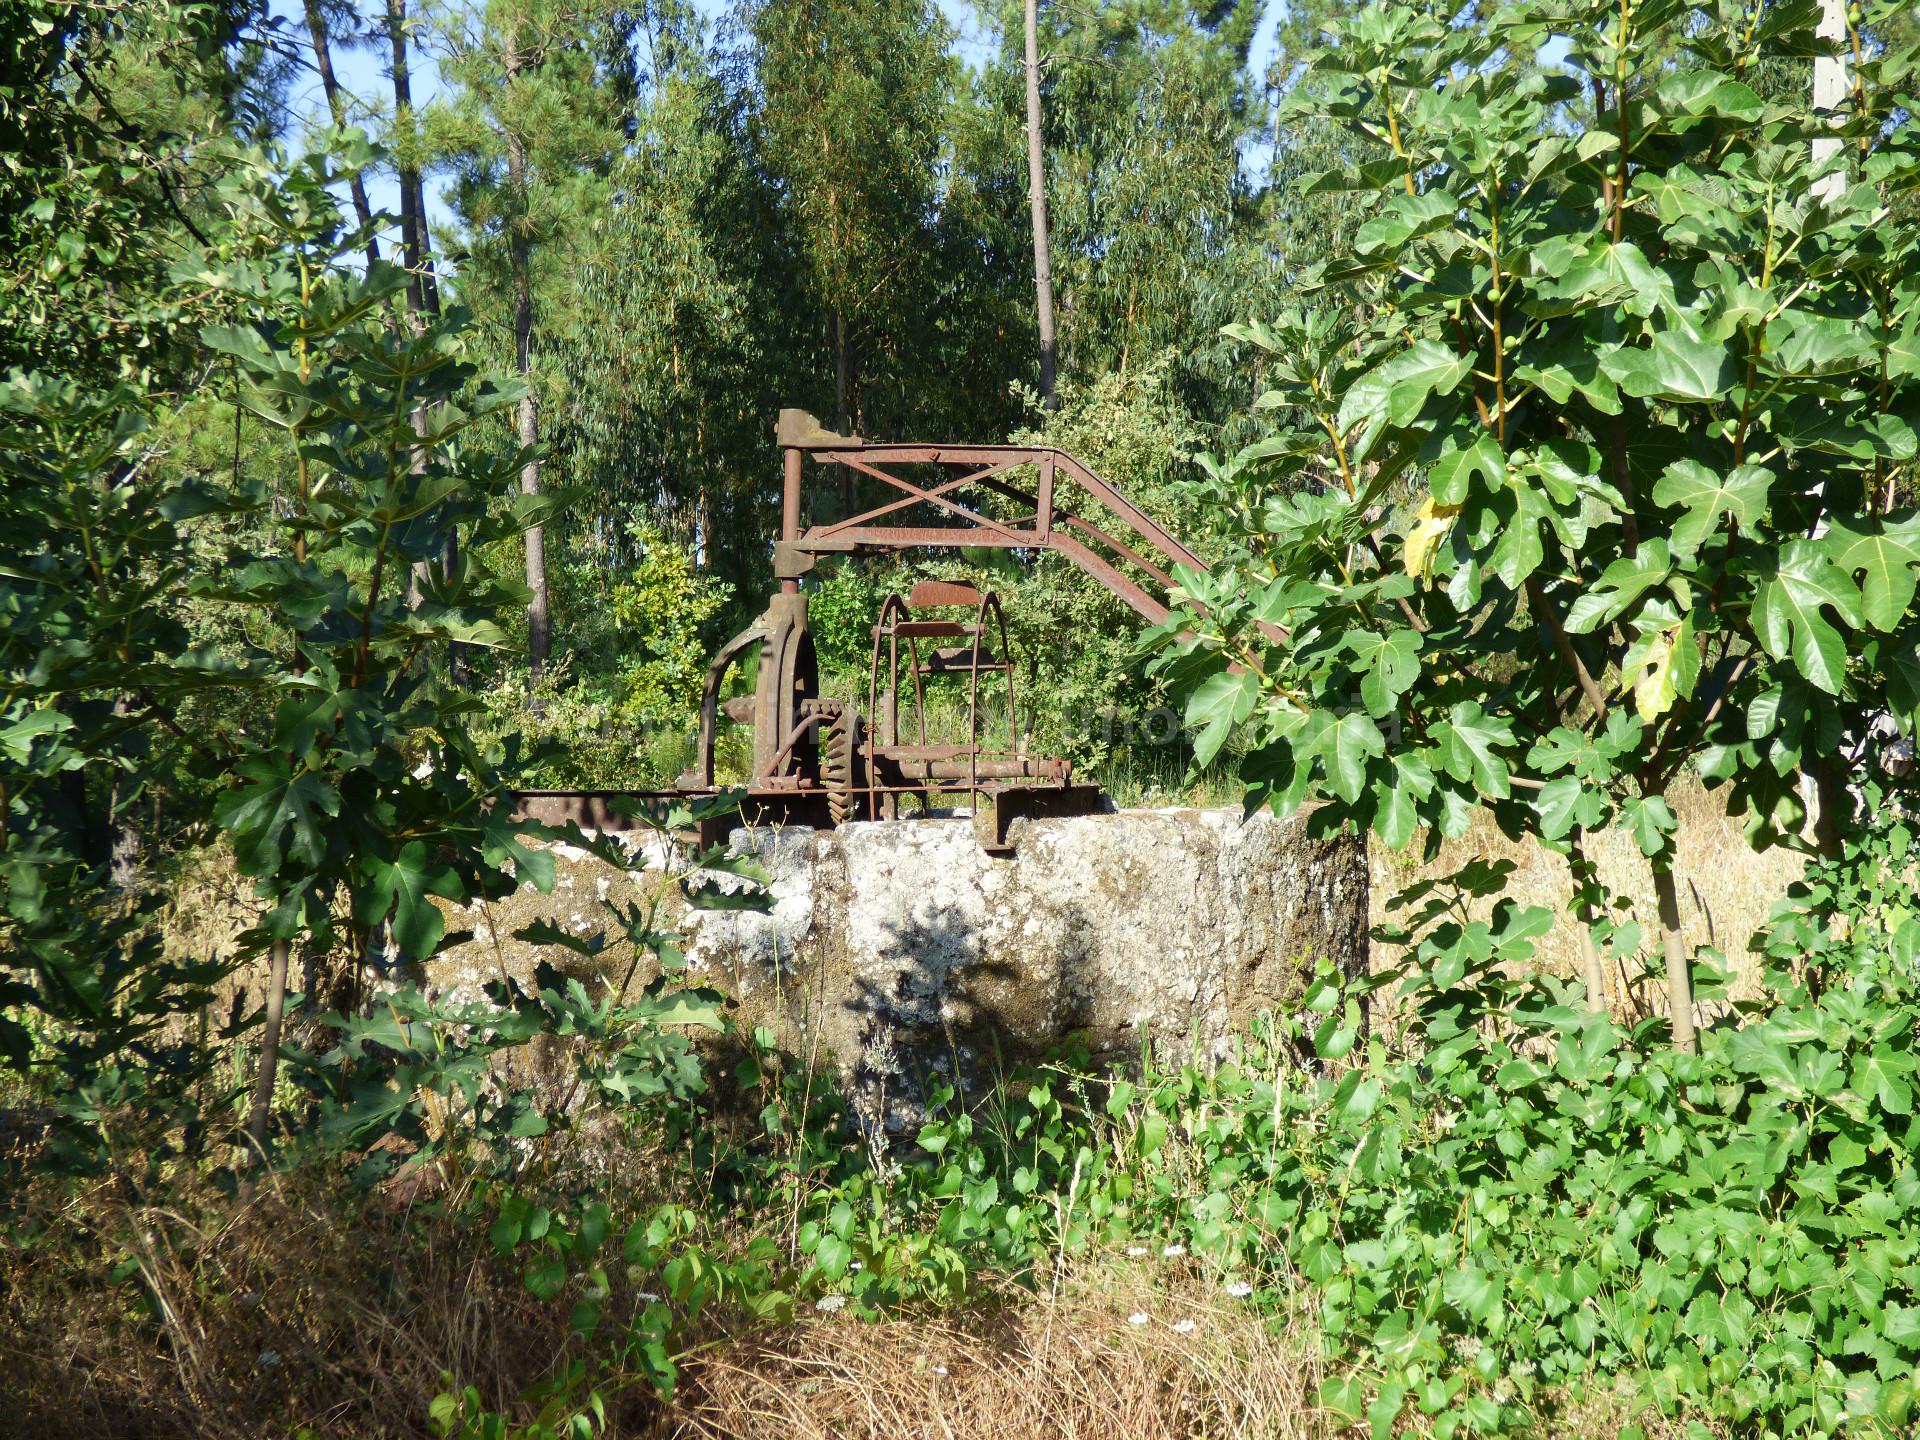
(259, 1316)
(1726, 890)
(1076, 1367)
(288, 1313)
(298, 1309)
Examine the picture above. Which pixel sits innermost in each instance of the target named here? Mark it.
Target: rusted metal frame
(785, 752)
(973, 690)
(914, 494)
(1126, 552)
(913, 498)
(1142, 524)
(922, 751)
(790, 509)
(710, 694)
(1141, 603)
(990, 455)
(890, 726)
(932, 537)
(919, 688)
(1018, 746)
(1085, 527)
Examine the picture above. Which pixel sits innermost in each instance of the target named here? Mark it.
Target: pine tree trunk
(1037, 200)
(539, 615)
(412, 223)
(336, 107)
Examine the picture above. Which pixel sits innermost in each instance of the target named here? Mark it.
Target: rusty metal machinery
(818, 761)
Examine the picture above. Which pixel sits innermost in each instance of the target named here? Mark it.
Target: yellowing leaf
(1431, 522)
(1653, 687)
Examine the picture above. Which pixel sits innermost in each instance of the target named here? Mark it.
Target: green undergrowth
(1499, 1208)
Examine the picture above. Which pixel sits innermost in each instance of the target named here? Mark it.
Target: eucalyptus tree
(660, 328)
(846, 118)
(1037, 203)
(1595, 475)
(1145, 105)
(529, 135)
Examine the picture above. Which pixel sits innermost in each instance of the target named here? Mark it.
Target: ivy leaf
(546, 1277)
(1790, 613)
(1799, 343)
(1399, 387)
(1900, 660)
(1431, 522)
(1467, 741)
(1220, 703)
(1706, 497)
(276, 813)
(1343, 746)
(1401, 219)
(1883, 556)
(1564, 803)
(401, 887)
(1609, 275)
(1390, 662)
(1620, 584)
(1518, 553)
(1650, 820)
(1676, 366)
(1707, 94)
(1450, 478)
(1472, 1292)
(1661, 665)
(1406, 781)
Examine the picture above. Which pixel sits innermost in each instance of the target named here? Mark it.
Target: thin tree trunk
(843, 402)
(412, 231)
(423, 288)
(336, 107)
(1037, 201)
(539, 616)
(1592, 972)
(1827, 795)
(269, 1043)
(1829, 89)
(1674, 951)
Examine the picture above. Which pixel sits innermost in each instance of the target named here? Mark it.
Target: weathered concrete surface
(899, 950)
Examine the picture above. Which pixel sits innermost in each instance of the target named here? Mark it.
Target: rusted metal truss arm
(1042, 529)
(916, 494)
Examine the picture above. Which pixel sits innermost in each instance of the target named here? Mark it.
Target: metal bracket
(794, 558)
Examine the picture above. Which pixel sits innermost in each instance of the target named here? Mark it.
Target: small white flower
(649, 1297)
(1173, 1252)
(1239, 1289)
(1138, 1317)
(1136, 1251)
(1184, 1327)
(830, 1302)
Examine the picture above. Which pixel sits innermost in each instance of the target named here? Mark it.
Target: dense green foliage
(1570, 448)
(1506, 1201)
(1618, 413)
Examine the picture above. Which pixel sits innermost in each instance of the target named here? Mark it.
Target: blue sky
(363, 73)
